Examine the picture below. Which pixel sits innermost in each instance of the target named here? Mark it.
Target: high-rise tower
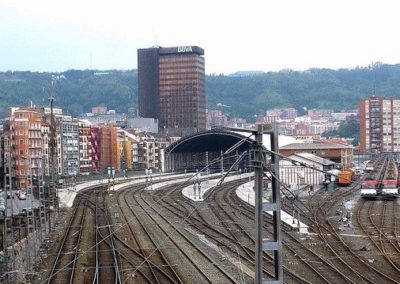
(172, 88)
(379, 125)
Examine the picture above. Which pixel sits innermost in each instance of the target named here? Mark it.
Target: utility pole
(52, 162)
(9, 238)
(43, 230)
(260, 165)
(30, 218)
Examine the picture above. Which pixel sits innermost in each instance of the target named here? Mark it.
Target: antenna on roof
(156, 41)
(374, 83)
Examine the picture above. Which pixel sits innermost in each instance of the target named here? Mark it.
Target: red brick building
(95, 148)
(26, 142)
(109, 151)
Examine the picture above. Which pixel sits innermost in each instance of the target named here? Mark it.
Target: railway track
(150, 241)
(375, 230)
(160, 268)
(219, 232)
(107, 261)
(191, 251)
(357, 268)
(317, 265)
(344, 255)
(87, 256)
(219, 199)
(64, 265)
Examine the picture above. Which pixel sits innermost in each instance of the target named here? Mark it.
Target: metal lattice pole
(260, 165)
(258, 161)
(53, 165)
(276, 204)
(42, 211)
(30, 247)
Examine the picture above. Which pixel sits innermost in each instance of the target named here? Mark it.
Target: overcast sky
(57, 35)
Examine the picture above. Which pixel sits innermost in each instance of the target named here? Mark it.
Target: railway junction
(198, 226)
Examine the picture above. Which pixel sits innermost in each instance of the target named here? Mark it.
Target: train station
(202, 208)
(85, 203)
(200, 149)
(149, 204)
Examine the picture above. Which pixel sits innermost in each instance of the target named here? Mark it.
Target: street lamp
(111, 175)
(300, 176)
(149, 179)
(30, 220)
(197, 184)
(29, 179)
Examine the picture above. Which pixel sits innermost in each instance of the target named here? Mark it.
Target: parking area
(20, 201)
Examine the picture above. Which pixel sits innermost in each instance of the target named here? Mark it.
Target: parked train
(391, 180)
(369, 166)
(381, 179)
(345, 177)
(369, 186)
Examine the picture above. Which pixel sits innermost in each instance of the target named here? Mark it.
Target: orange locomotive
(346, 177)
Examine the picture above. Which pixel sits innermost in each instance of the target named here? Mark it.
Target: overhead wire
(183, 220)
(216, 160)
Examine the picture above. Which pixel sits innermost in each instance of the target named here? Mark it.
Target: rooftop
(308, 146)
(313, 158)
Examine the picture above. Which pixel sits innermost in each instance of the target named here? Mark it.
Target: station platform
(67, 195)
(193, 192)
(244, 192)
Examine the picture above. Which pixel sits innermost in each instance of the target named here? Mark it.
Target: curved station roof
(219, 139)
(210, 141)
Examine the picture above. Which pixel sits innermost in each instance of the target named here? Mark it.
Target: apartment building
(379, 125)
(109, 152)
(26, 144)
(85, 149)
(216, 118)
(95, 148)
(69, 140)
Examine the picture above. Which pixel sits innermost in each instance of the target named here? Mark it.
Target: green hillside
(314, 88)
(77, 91)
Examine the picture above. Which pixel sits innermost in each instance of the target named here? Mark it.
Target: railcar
(390, 191)
(372, 181)
(390, 181)
(369, 167)
(369, 188)
(345, 177)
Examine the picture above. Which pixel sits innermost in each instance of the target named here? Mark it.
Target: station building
(207, 147)
(194, 152)
(293, 174)
(342, 155)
